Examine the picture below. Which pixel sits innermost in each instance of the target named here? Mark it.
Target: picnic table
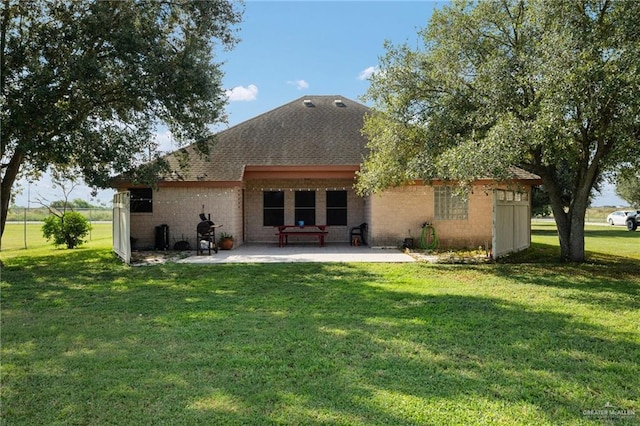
(285, 231)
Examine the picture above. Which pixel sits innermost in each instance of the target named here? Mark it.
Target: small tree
(628, 188)
(69, 228)
(64, 225)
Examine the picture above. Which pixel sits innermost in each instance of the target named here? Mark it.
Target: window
(337, 208)
(512, 196)
(306, 207)
(273, 211)
(448, 205)
(141, 200)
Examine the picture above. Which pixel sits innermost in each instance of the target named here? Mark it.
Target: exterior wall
(180, 209)
(392, 216)
(400, 212)
(253, 204)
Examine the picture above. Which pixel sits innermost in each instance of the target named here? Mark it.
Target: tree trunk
(576, 237)
(570, 232)
(8, 179)
(563, 224)
(577, 212)
(570, 223)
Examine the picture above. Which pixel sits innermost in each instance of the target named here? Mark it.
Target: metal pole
(25, 212)
(25, 227)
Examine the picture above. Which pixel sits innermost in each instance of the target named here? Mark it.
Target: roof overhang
(480, 182)
(200, 184)
(300, 172)
(183, 184)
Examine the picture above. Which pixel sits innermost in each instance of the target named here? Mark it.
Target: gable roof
(320, 132)
(319, 136)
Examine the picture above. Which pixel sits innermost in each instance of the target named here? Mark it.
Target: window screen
(273, 210)
(337, 208)
(306, 207)
(141, 200)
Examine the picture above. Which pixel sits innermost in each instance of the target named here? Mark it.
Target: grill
(206, 235)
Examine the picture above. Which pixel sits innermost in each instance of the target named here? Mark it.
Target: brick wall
(392, 216)
(253, 204)
(399, 213)
(180, 208)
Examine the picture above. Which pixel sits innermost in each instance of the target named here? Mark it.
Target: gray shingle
(323, 132)
(291, 135)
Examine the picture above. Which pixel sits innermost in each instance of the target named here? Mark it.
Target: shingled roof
(309, 131)
(314, 133)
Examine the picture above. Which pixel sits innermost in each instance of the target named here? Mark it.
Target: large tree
(84, 84)
(550, 86)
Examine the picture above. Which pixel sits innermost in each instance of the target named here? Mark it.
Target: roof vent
(339, 103)
(307, 102)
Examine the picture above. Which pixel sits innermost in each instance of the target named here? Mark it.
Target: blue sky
(289, 49)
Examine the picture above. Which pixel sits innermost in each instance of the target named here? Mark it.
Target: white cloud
(300, 84)
(165, 141)
(366, 73)
(240, 93)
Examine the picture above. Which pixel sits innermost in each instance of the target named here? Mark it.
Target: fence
(24, 225)
(37, 214)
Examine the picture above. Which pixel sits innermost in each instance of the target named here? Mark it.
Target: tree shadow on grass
(618, 232)
(605, 281)
(593, 232)
(297, 344)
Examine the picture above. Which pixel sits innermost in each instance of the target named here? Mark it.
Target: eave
(254, 172)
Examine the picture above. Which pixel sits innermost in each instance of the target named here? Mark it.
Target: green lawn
(17, 235)
(603, 243)
(87, 340)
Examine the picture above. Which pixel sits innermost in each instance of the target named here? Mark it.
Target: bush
(68, 229)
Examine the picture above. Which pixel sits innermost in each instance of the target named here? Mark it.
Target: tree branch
(3, 44)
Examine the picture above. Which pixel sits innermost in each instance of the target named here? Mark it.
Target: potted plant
(226, 241)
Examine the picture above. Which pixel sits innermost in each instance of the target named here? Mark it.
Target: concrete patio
(271, 253)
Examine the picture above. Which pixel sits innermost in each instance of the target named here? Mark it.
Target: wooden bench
(318, 231)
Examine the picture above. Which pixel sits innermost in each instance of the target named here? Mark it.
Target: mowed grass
(603, 244)
(87, 340)
(17, 235)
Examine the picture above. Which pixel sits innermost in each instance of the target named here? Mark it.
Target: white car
(620, 217)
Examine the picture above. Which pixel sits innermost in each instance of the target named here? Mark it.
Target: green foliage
(547, 86)
(225, 236)
(539, 203)
(78, 203)
(68, 229)
(85, 83)
(628, 187)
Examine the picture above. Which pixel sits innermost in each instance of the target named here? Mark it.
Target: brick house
(299, 161)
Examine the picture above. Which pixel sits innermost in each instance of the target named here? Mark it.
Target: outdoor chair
(358, 231)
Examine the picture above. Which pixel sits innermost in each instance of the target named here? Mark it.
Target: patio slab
(271, 253)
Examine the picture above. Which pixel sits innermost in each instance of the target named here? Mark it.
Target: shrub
(68, 229)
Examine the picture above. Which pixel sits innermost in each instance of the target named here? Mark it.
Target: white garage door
(122, 225)
(511, 222)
